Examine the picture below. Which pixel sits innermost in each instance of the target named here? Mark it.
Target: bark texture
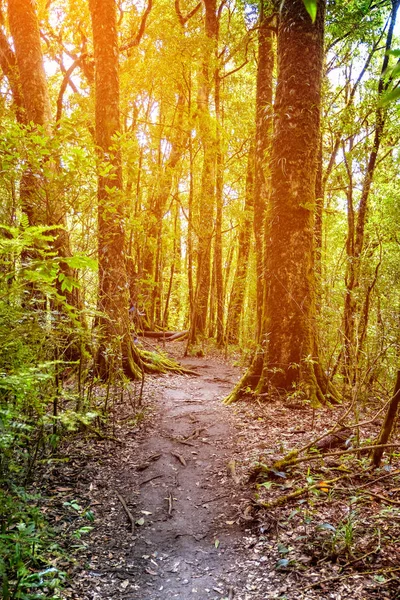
(116, 348)
(290, 289)
(24, 28)
(288, 359)
(116, 344)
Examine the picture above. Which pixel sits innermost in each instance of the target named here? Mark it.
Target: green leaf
(311, 7)
(267, 485)
(327, 526)
(283, 562)
(389, 97)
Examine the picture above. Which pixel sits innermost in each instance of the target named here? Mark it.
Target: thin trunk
(264, 95)
(352, 306)
(239, 282)
(207, 192)
(388, 424)
(152, 262)
(218, 221)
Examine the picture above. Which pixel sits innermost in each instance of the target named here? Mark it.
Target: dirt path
(194, 535)
(177, 481)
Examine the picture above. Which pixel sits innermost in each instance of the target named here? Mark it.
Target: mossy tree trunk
(288, 359)
(116, 348)
(113, 281)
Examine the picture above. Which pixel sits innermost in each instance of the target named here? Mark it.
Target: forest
(199, 301)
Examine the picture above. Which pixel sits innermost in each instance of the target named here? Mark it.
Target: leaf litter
(337, 540)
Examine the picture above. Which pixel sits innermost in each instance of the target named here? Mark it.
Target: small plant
(342, 537)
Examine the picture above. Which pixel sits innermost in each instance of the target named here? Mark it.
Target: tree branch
(136, 41)
(183, 20)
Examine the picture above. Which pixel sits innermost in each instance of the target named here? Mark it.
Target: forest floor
(175, 515)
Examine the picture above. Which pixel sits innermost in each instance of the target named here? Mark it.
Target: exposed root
(249, 382)
(318, 390)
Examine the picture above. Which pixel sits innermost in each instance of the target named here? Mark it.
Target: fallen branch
(126, 509)
(168, 336)
(185, 442)
(170, 503)
(295, 461)
(281, 500)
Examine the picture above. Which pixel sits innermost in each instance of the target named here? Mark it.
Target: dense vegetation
(161, 171)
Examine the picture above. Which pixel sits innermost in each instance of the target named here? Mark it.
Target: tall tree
(116, 348)
(40, 198)
(236, 299)
(357, 219)
(207, 193)
(263, 135)
(290, 356)
(116, 344)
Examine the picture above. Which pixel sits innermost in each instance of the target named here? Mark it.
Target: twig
(126, 509)
(214, 499)
(186, 443)
(281, 500)
(147, 464)
(180, 458)
(352, 562)
(170, 503)
(195, 434)
(150, 479)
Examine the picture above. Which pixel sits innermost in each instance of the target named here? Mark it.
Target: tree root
(137, 362)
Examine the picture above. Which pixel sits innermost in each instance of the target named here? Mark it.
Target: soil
(175, 515)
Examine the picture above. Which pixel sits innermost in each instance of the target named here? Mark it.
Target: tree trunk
(265, 69)
(353, 303)
(207, 192)
(239, 282)
(219, 186)
(40, 199)
(388, 424)
(290, 359)
(116, 348)
(152, 267)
